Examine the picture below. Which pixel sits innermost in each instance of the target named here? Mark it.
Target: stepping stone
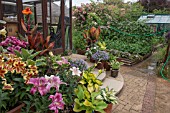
(113, 83)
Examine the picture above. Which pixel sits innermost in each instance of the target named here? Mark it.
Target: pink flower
(53, 81)
(63, 61)
(39, 84)
(75, 71)
(57, 102)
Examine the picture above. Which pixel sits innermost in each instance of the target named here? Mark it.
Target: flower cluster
(100, 55)
(13, 65)
(43, 86)
(81, 64)
(12, 44)
(62, 61)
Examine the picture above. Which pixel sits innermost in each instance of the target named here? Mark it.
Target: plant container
(17, 109)
(106, 65)
(81, 52)
(99, 65)
(114, 72)
(92, 60)
(108, 109)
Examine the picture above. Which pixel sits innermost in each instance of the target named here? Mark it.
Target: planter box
(129, 62)
(17, 109)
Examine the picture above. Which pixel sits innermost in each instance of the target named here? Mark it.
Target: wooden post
(44, 18)
(1, 10)
(63, 24)
(35, 13)
(50, 14)
(70, 35)
(19, 16)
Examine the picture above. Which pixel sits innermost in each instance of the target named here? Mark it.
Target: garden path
(143, 92)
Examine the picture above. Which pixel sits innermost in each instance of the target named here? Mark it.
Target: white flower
(75, 71)
(94, 47)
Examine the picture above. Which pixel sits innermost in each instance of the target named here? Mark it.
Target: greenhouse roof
(155, 19)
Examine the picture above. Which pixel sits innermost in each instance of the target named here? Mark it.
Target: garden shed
(157, 22)
(62, 34)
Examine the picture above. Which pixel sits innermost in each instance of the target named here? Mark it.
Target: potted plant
(109, 97)
(86, 93)
(115, 65)
(14, 76)
(101, 57)
(80, 63)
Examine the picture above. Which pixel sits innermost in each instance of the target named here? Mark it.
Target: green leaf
(30, 62)
(33, 55)
(94, 95)
(40, 63)
(80, 93)
(78, 108)
(18, 53)
(25, 54)
(18, 79)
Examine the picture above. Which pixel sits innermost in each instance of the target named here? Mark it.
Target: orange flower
(27, 11)
(3, 71)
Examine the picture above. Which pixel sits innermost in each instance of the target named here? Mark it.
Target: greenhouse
(76, 56)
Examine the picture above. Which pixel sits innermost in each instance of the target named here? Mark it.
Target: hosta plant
(86, 93)
(108, 96)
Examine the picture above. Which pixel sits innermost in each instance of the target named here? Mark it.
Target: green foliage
(115, 64)
(86, 93)
(26, 54)
(78, 41)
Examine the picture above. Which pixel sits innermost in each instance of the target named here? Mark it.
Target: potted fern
(115, 65)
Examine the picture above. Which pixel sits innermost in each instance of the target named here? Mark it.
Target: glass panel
(67, 22)
(55, 28)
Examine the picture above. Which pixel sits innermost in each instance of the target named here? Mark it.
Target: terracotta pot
(108, 109)
(106, 66)
(81, 52)
(92, 60)
(17, 109)
(99, 65)
(114, 72)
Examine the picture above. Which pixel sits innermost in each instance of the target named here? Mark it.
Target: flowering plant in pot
(14, 76)
(80, 63)
(101, 57)
(115, 65)
(86, 93)
(109, 97)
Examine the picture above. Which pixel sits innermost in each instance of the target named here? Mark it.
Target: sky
(78, 2)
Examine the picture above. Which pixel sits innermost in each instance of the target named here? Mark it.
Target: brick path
(143, 91)
(132, 95)
(162, 99)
